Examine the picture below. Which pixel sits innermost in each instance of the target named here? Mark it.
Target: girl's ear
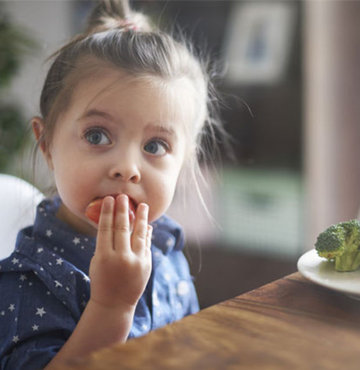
(38, 129)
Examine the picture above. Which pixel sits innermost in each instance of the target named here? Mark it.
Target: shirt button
(182, 288)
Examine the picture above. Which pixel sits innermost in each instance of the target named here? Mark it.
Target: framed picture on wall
(258, 41)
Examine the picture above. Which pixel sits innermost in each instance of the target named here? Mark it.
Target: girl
(123, 109)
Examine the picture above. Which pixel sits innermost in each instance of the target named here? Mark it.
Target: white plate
(321, 271)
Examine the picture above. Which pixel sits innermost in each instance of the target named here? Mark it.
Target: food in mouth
(93, 210)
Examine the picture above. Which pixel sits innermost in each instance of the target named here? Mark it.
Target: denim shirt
(45, 286)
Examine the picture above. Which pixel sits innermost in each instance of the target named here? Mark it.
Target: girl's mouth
(93, 210)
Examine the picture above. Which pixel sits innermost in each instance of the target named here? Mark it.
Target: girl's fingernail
(124, 199)
(108, 201)
(146, 209)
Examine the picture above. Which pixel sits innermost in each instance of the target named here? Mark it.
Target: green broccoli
(341, 243)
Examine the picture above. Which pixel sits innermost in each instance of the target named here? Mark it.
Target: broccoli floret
(341, 243)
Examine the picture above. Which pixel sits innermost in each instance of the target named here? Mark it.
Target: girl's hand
(121, 266)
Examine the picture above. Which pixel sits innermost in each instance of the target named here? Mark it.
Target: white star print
(76, 240)
(15, 338)
(182, 288)
(49, 233)
(170, 242)
(179, 305)
(14, 261)
(12, 307)
(2, 313)
(35, 327)
(39, 250)
(86, 278)
(155, 299)
(23, 277)
(59, 261)
(40, 311)
(57, 284)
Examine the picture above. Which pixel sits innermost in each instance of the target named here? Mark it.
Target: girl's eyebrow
(162, 129)
(151, 127)
(96, 113)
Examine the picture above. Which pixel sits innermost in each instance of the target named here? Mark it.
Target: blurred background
(289, 81)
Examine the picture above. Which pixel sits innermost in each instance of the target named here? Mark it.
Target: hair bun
(111, 14)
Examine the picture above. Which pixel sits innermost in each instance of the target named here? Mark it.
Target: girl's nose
(126, 172)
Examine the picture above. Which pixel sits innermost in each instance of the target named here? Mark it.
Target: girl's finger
(104, 239)
(149, 236)
(139, 236)
(122, 223)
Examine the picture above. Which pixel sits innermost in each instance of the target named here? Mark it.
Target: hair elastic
(128, 25)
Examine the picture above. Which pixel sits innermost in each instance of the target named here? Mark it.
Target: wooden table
(290, 323)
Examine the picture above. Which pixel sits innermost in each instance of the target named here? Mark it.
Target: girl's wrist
(116, 309)
(116, 321)
(89, 336)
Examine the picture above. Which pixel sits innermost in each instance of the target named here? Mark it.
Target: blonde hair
(127, 40)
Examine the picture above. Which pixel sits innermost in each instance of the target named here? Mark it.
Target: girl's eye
(97, 136)
(156, 147)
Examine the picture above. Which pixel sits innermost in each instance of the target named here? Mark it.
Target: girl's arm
(119, 272)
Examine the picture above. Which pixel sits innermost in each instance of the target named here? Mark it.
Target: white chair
(18, 200)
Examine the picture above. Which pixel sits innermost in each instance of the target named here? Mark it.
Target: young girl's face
(120, 135)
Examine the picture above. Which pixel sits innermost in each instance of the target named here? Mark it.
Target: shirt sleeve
(185, 289)
(33, 322)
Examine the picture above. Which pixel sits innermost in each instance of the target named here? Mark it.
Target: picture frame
(258, 41)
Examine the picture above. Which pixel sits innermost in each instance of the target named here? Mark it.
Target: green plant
(14, 45)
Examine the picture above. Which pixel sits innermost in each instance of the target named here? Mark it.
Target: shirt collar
(77, 248)
(167, 235)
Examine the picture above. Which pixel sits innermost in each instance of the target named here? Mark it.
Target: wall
(49, 24)
(332, 131)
